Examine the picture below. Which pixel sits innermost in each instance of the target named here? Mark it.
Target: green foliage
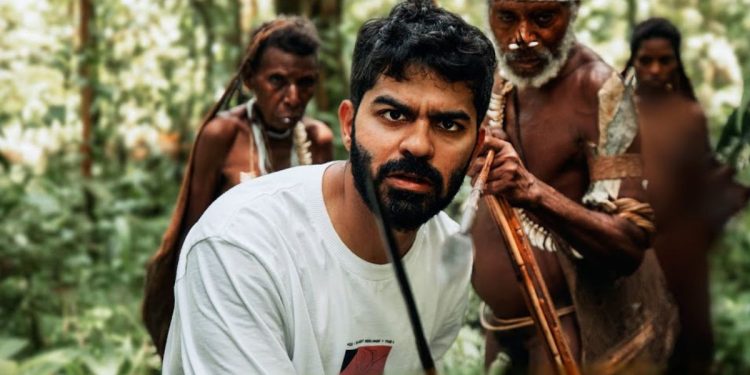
(731, 295)
(72, 265)
(72, 250)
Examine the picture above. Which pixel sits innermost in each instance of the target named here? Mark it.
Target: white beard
(550, 71)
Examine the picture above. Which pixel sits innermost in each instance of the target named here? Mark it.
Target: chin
(527, 73)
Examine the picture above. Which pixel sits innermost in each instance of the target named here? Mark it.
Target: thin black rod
(386, 235)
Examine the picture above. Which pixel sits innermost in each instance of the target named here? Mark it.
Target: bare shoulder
(694, 116)
(594, 71)
(220, 131)
(317, 131)
(694, 109)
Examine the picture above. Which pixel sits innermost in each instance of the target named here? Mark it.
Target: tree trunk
(327, 13)
(203, 10)
(299, 7)
(632, 15)
(86, 73)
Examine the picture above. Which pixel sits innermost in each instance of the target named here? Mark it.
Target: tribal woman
(267, 134)
(692, 194)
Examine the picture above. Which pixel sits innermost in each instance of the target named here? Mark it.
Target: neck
(352, 219)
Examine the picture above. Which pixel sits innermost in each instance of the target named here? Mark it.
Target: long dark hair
(653, 28)
(291, 34)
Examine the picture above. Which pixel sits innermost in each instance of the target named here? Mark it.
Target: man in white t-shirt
(287, 273)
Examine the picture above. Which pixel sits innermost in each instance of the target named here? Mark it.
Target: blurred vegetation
(72, 248)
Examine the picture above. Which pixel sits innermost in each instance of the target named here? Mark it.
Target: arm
(321, 138)
(719, 195)
(600, 237)
(212, 146)
(228, 315)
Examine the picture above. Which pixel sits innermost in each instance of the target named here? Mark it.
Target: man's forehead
(423, 87)
(531, 2)
(277, 58)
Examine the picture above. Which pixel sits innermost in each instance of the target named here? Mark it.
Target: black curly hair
(417, 32)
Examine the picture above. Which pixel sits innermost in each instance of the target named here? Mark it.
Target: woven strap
(639, 213)
(615, 167)
(494, 324)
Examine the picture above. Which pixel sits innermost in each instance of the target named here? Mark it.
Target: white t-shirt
(266, 286)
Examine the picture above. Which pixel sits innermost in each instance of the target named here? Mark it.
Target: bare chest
(244, 156)
(550, 136)
(665, 144)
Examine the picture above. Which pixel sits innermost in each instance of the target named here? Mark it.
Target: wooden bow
(532, 284)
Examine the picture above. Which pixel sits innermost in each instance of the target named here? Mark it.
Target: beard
(404, 210)
(552, 61)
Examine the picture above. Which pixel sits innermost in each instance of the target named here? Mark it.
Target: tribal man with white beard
(572, 171)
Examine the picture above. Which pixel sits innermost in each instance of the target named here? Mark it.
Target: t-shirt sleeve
(228, 315)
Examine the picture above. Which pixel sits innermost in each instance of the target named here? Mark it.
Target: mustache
(525, 54)
(411, 165)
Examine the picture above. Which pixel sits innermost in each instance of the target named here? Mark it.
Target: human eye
(666, 60)
(645, 60)
(277, 80)
(450, 126)
(544, 18)
(393, 115)
(506, 17)
(307, 82)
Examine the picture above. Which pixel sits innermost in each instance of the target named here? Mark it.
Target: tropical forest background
(99, 102)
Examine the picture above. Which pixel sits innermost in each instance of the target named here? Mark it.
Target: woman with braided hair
(267, 134)
(693, 195)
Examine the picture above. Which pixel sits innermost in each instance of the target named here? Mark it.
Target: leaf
(8, 367)
(10, 346)
(108, 365)
(729, 131)
(48, 362)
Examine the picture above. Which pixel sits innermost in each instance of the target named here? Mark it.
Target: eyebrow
(434, 116)
(393, 102)
(448, 116)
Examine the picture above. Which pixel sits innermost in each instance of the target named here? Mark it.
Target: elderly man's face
(532, 36)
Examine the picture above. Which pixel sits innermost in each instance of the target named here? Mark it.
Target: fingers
(499, 133)
(494, 139)
(505, 161)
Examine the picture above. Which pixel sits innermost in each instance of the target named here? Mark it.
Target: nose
(525, 33)
(654, 69)
(418, 141)
(291, 95)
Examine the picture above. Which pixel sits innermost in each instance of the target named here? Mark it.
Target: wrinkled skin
(523, 23)
(555, 123)
(283, 85)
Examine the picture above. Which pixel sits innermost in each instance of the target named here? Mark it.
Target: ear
(346, 122)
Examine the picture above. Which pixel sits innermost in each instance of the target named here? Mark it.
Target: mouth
(409, 181)
(528, 62)
(289, 119)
